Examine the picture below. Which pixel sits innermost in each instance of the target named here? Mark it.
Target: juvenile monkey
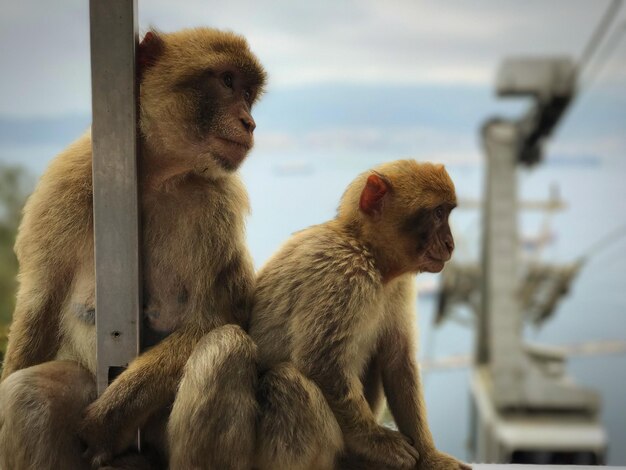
(334, 313)
(197, 88)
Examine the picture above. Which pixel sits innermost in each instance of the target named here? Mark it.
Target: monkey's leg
(213, 420)
(297, 429)
(40, 408)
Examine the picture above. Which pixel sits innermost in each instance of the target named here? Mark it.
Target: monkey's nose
(449, 241)
(248, 123)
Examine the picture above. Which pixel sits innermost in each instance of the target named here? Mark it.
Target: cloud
(413, 141)
(45, 53)
(45, 58)
(398, 41)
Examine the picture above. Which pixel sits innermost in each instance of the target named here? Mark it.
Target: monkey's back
(297, 288)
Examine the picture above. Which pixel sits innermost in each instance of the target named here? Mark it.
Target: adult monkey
(333, 319)
(197, 88)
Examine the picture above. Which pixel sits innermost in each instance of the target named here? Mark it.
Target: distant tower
(524, 409)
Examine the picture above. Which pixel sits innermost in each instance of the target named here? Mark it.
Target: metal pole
(116, 207)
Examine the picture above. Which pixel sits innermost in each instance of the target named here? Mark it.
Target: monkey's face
(406, 206)
(221, 122)
(198, 88)
(425, 202)
(427, 237)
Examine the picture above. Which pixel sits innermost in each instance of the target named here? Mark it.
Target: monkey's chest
(176, 272)
(166, 296)
(165, 301)
(164, 309)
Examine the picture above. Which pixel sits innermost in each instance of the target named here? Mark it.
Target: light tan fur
(198, 275)
(336, 303)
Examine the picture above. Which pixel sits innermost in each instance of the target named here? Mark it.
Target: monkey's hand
(386, 447)
(435, 460)
(104, 437)
(149, 384)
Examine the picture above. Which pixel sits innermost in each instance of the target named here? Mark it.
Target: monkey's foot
(439, 461)
(388, 448)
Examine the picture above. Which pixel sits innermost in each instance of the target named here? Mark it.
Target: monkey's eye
(439, 213)
(228, 80)
(247, 95)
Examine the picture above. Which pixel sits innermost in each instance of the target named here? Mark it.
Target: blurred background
(356, 83)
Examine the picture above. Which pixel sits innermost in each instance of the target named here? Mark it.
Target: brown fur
(219, 375)
(296, 429)
(337, 304)
(197, 271)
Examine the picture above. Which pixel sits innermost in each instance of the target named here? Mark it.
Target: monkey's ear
(371, 201)
(150, 49)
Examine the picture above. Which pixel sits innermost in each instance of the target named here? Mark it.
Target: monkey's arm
(403, 388)
(149, 384)
(56, 223)
(151, 381)
(33, 338)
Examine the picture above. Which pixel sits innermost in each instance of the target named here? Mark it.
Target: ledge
(536, 467)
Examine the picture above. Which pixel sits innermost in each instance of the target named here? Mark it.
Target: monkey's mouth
(433, 263)
(438, 259)
(228, 152)
(245, 146)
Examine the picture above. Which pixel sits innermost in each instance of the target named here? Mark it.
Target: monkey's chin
(229, 155)
(432, 265)
(215, 163)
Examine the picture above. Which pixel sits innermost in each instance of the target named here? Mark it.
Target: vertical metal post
(500, 329)
(518, 380)
(116, 206)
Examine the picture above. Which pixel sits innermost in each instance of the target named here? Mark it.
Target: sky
(45, 45)
(398, 77)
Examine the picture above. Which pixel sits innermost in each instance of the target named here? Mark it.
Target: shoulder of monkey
(312, 291)
(324, 251)
(58, 214)
(319, 271)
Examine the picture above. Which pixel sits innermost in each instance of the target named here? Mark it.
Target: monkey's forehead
(200, 49)
(442, 191)
(434, 177)
(434, 197)
(197, 74)
(424, 180)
